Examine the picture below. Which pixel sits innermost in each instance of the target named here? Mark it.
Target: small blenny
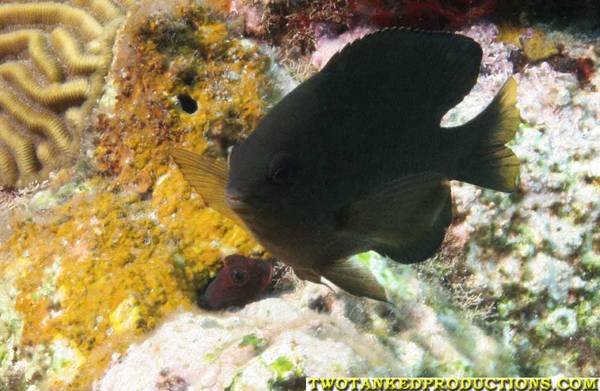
(355, 159)
(239, 282)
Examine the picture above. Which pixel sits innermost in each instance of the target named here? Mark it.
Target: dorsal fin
(427, 72)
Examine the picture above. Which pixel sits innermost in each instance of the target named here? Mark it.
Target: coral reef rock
(533, 255)
(101, 265)
(94, 260)
(311, 331)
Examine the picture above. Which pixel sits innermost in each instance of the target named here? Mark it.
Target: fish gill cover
(119, 244)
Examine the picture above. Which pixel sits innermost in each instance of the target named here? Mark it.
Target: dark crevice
(188, 104)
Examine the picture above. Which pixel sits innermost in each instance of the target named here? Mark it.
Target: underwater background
(104, 247)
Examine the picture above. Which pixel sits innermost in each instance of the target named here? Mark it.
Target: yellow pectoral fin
(209, 178)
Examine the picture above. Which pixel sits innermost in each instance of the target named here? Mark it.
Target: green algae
(282, 366)
(257, 343)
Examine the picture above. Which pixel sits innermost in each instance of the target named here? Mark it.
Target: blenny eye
(239, 276)
(281, 169)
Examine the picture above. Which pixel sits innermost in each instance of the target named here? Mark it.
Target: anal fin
(424, 247)
(405, 219)
(392, 209)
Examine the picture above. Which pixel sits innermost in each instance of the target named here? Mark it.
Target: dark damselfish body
(355, 159)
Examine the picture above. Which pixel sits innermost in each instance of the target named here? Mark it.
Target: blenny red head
(239, 282)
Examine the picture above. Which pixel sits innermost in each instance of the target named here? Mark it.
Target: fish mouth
(237, 203)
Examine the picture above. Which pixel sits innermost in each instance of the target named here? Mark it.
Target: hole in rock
(188, 104)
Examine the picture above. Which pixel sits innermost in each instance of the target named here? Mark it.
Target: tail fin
(483, 159)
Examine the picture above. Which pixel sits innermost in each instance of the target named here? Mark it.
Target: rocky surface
(314, 331)
(101, 264)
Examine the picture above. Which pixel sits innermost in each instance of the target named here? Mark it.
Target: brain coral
(53, 58)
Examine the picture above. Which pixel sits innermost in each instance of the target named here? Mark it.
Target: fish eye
(281, 170)
(239, 276)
